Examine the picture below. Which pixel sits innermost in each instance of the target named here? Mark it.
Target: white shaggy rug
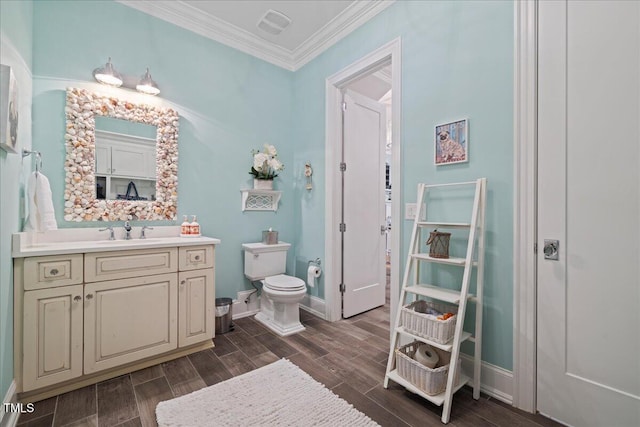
(279, 394)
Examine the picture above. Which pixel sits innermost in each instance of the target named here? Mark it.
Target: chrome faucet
(144, 227)
(112, 236)
(127, 229)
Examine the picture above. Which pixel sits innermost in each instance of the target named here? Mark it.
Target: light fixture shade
(147, 85)
(108, 75)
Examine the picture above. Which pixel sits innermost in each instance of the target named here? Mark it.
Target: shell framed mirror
(122, 159)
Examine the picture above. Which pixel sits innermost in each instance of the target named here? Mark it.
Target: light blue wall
(229, 103)
(16, 26)
(456, 62)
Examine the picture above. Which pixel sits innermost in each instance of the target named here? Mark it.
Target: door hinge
(343, 288)
(535, 248)
(343, 167)
(343, 227)
(344, 106)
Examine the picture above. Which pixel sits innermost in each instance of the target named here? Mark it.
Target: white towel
(42, 217)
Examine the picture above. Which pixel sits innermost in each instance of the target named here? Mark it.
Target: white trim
(356, 14)
(188, 17)
(9, 419)
(314, 305)
(390, 52)
(242, 314)
(524, 227)
(195, 20)
(496, 381)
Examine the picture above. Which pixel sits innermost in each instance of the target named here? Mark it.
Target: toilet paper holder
(316, 262)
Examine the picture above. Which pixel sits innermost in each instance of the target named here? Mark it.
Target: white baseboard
(495, 381)
(9, 419)
(314, 305)
(240, 308)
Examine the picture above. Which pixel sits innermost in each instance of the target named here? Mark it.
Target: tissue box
(269, 237)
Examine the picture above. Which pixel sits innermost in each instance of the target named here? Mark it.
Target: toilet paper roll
(312, 272)
(426, 355)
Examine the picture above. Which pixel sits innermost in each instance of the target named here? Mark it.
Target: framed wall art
(8, 110)
(451, 143)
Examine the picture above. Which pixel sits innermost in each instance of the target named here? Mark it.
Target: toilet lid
(282, 282)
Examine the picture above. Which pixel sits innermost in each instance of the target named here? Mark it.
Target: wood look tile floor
(349, 357)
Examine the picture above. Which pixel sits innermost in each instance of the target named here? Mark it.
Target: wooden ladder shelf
(413, 289)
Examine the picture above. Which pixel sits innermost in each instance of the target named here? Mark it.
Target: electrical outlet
(410, 210)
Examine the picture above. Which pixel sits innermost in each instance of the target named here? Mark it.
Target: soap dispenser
(194, 227)
(185, 227)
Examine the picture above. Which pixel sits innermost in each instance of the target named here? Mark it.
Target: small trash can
(223, 315)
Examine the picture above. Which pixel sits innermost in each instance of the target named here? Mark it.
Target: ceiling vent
(274, 22)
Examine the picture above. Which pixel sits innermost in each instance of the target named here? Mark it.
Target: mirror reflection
(125, 159)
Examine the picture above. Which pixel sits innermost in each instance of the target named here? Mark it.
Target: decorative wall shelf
(260, 200)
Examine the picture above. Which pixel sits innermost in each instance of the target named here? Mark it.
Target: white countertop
(82, 240)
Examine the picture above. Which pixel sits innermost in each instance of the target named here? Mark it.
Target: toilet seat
(284, 283)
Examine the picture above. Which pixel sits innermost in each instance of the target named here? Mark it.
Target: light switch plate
(410, 210)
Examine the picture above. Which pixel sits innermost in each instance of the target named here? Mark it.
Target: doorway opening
(375, 79)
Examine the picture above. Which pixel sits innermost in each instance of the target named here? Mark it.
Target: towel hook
(38, 154)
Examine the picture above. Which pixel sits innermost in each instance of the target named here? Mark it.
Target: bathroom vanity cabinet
(84, 317)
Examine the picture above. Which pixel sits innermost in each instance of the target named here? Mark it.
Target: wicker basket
(431, 381)
(414, 320)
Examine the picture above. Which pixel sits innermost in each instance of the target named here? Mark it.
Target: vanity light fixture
(108, 75)
(147, 85)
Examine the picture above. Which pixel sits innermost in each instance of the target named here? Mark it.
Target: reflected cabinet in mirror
(125, 160)
(122, 159)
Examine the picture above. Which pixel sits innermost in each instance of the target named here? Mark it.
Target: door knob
(551, 249)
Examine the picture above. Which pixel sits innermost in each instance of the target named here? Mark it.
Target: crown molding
(188, 17)
(359, 12)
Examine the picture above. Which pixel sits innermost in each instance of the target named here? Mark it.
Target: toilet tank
(262, 260)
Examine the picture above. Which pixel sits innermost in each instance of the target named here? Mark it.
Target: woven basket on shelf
(431, 381)
(414, 320)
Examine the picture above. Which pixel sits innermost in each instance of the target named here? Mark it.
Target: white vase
(262, 184)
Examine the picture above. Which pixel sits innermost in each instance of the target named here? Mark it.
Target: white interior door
(364, 274)
(588, 357)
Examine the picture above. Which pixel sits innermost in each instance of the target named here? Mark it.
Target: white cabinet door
(103, 159)
(150, 162)
(128, 320)
(196, 302)
(52, 342)
(129, 160)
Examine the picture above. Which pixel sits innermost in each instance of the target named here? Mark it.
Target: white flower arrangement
(266, 163)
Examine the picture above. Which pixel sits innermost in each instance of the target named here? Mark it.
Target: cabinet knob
(183, 283)
(89, 296)
(54, 272)
(197, 257)
(77, 298)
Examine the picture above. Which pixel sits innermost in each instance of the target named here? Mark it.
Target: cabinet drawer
(195, 257)
(124, 264)
(51, 271)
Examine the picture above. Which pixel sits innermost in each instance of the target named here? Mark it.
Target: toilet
(281, 294)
